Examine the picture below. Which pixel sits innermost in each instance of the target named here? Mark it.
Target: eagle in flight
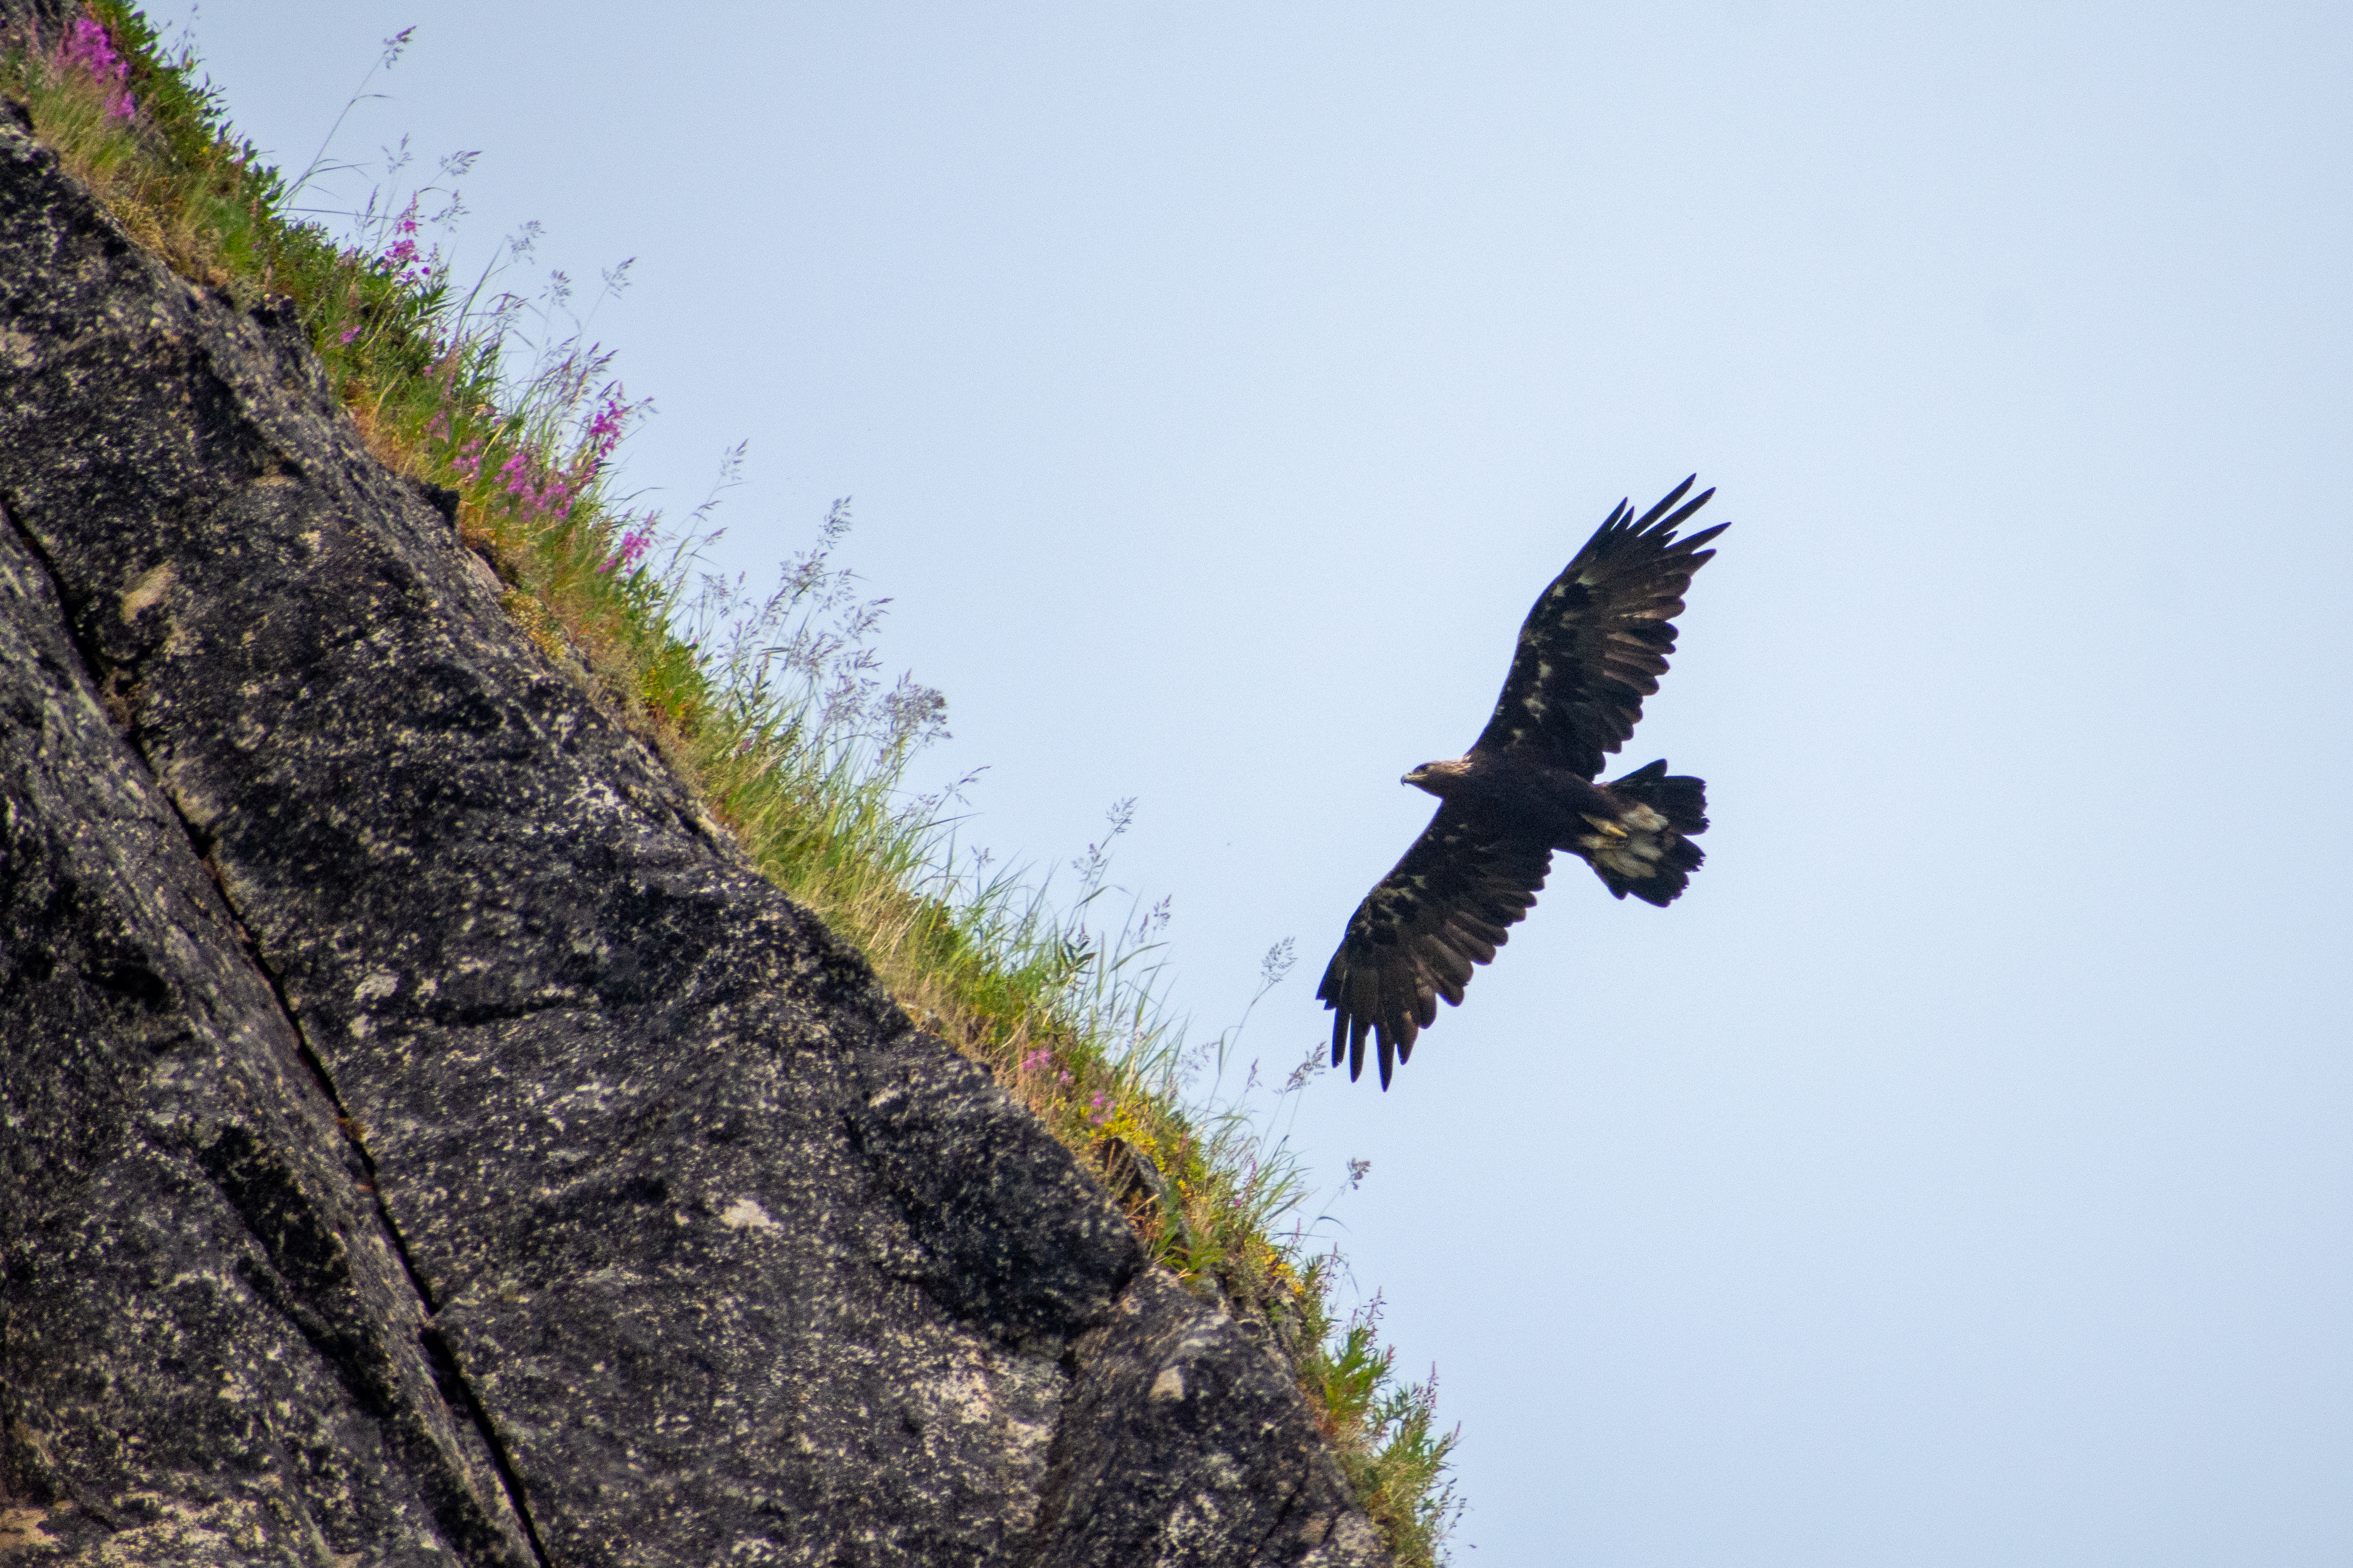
(1592, 649)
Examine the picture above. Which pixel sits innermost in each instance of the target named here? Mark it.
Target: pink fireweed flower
(1099, 1109)
(404, 260)
(1040, 1057)
(88, 49)
(552, 493)
(604, 432)
(349, 332)
(634, 544)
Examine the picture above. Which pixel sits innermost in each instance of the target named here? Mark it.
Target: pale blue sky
(1962, 1172)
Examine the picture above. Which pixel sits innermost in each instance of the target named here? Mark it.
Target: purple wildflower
(553, 495)
(604, 431)
(88, 49)
(634, 544)
(1099, 1109)
(350, 332)
(403, 258)
(1040, 1057)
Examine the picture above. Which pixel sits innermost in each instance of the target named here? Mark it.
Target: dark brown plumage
(1591, 650)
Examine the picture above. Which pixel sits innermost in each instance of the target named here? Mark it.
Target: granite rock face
(425, 1141)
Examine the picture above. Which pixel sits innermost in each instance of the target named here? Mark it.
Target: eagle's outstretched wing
(1446, 905)
(1597, 639)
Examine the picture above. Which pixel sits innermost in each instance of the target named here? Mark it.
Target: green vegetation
(1394, 1458)
(770, 707)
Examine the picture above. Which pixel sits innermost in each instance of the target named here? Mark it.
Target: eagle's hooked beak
(1439, 779)
(1435, 778)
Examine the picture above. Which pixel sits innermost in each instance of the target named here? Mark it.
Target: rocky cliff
(425, 1140)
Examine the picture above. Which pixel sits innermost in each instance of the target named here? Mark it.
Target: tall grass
(771, 702)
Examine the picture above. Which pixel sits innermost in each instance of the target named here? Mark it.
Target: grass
(770, 704)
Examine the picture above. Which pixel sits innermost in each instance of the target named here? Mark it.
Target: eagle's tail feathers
(1678, 797)
(1647, 849)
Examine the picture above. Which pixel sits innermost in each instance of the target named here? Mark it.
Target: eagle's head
(1439, 778)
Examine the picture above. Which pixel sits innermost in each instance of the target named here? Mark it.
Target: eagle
(1591, 650)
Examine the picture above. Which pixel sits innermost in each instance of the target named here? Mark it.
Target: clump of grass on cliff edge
(769, 705)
